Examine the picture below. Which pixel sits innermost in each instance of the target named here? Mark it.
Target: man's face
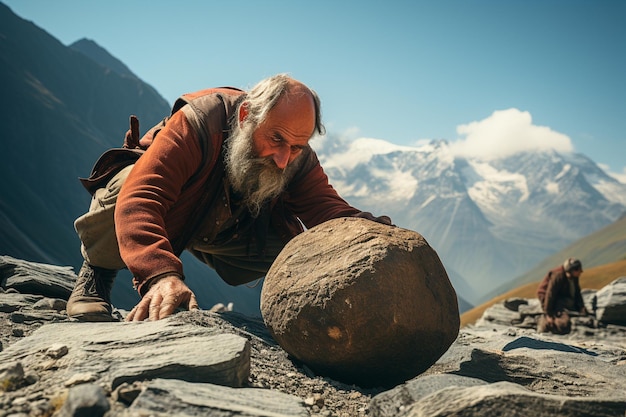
(575, 273)
(256, 157)
(286, 130)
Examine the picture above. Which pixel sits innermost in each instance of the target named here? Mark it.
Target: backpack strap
(108, 164)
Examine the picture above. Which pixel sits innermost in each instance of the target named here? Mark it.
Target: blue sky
(489, 76)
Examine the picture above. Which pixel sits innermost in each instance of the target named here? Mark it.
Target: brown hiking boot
(91, 298)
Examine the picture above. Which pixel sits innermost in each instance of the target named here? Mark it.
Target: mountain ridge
(60, 109)
(101, 56)
(489, 219)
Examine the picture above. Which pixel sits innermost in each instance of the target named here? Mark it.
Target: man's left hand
(369, 216)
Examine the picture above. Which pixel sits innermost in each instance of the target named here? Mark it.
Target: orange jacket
(171, 189)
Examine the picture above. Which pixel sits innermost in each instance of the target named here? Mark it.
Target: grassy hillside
(602, 247)
(593, 278)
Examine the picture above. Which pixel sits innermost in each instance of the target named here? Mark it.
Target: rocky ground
(226, 364)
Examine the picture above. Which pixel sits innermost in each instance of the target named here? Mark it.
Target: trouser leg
(96, 228)
(91, 297)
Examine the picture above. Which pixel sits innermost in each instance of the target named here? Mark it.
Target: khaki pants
(96, 228)
(231, 260)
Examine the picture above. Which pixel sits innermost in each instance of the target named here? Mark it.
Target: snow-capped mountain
(489, 220)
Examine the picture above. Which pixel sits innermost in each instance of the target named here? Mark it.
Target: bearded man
(228, 176)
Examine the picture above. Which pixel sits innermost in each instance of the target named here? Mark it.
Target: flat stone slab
(115, 353)
(548, 367)
(509, 399)
(392, 402)
(186, 399)
(14, 301)
(35, 278)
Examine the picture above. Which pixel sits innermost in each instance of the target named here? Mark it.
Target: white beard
(258, 180)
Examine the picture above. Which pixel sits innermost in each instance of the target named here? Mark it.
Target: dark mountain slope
(100, 55)
(60, 108)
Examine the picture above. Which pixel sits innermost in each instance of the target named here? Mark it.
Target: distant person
(228, 176)
(559, 294)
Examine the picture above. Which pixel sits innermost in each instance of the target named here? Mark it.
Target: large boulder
(361, 302)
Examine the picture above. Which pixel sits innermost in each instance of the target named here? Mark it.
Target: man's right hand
(162, 299)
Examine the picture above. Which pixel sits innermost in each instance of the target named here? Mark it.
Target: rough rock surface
(193, 363)
(610, 303)
(362, 302)
(226, 364)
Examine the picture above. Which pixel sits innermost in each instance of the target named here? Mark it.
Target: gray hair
(263, 96)
(572, 264)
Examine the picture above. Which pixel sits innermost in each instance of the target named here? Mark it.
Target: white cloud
(358, 151)
(421, 142)
(620, 176)
(350, 133)
(507, 132)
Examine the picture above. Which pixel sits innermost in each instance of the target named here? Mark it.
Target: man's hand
(162, 299)
(369, 216)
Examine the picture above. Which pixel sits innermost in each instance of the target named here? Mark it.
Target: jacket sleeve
(151, 189)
